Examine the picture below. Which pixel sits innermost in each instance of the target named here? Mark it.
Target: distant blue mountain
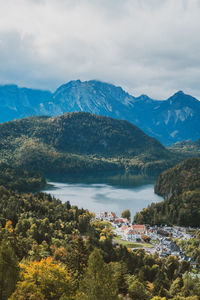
(18, 102)
(170, 121)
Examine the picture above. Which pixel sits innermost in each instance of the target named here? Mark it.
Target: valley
(99, 150)
(94, 164)
(57, 174)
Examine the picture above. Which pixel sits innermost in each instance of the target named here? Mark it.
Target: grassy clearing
(153, 242)
(118, 240)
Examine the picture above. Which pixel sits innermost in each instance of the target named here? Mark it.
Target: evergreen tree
(126, 214)
(99, 282)
(9, 270)
(137, 291)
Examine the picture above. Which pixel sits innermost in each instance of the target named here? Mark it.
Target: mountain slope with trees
(170, 121)
(19, 179)
(55, 251)
(180, 187)
(80, 142)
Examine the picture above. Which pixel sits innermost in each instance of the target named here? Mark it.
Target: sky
(146, 46)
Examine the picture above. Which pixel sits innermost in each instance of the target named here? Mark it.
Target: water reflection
(112, 178)
(111, 193)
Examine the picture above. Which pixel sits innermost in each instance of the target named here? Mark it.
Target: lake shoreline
(107, 194)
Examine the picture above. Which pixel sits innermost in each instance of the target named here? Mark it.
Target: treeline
(55, 251)
(17, 178)
(182, 178)
(180, 186)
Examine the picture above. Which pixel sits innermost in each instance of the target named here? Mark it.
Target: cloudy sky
(146, 46)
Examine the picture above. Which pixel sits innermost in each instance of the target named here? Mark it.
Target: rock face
(94, 97)
(170, 121)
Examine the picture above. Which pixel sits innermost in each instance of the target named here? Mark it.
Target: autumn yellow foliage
(46, 279)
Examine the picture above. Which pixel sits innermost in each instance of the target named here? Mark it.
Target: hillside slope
(78, 142)
(19, 179)
(187, 148)
(170, 121)
(180, 187)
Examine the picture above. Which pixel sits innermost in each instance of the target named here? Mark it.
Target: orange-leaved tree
(43, 280)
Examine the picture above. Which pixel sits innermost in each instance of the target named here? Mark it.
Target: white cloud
(146, 46)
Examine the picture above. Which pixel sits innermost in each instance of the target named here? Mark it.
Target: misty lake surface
(106, 193)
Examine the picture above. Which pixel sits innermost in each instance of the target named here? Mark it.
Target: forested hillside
(180, 186)
(20, 179)
(80, 142)
(55, 251)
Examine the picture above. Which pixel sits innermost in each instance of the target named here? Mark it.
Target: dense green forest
(55, 251)
(180, 187)
(80, 142)
(191, 247)
(19, 179)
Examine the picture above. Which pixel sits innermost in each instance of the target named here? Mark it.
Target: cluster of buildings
(123, 227)
(158, 232)
(160, 237)
(131, 233)
(165, 246)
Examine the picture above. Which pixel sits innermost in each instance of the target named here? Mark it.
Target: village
(152, 239)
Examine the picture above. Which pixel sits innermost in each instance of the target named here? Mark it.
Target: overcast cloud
(146, 46)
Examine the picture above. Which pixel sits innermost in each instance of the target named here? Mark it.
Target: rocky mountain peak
(171, 120)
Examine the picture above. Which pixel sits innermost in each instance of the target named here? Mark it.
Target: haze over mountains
(170, 121)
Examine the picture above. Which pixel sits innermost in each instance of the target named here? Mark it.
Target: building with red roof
(139, 228)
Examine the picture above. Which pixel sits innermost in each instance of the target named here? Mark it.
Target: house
(121, 221)
(129, 235)
(124, 227)
(139, 229)
(102, 215)
(107, 216)
(111, 216)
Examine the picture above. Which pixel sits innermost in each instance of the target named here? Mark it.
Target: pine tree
(99, 282)
(9, 270)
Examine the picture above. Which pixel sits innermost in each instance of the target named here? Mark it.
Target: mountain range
(170, 121)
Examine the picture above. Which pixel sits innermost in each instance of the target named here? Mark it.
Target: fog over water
(111, 196)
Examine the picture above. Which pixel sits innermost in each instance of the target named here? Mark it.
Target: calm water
(108, 193)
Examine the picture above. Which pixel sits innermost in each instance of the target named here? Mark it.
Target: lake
(106, 193)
